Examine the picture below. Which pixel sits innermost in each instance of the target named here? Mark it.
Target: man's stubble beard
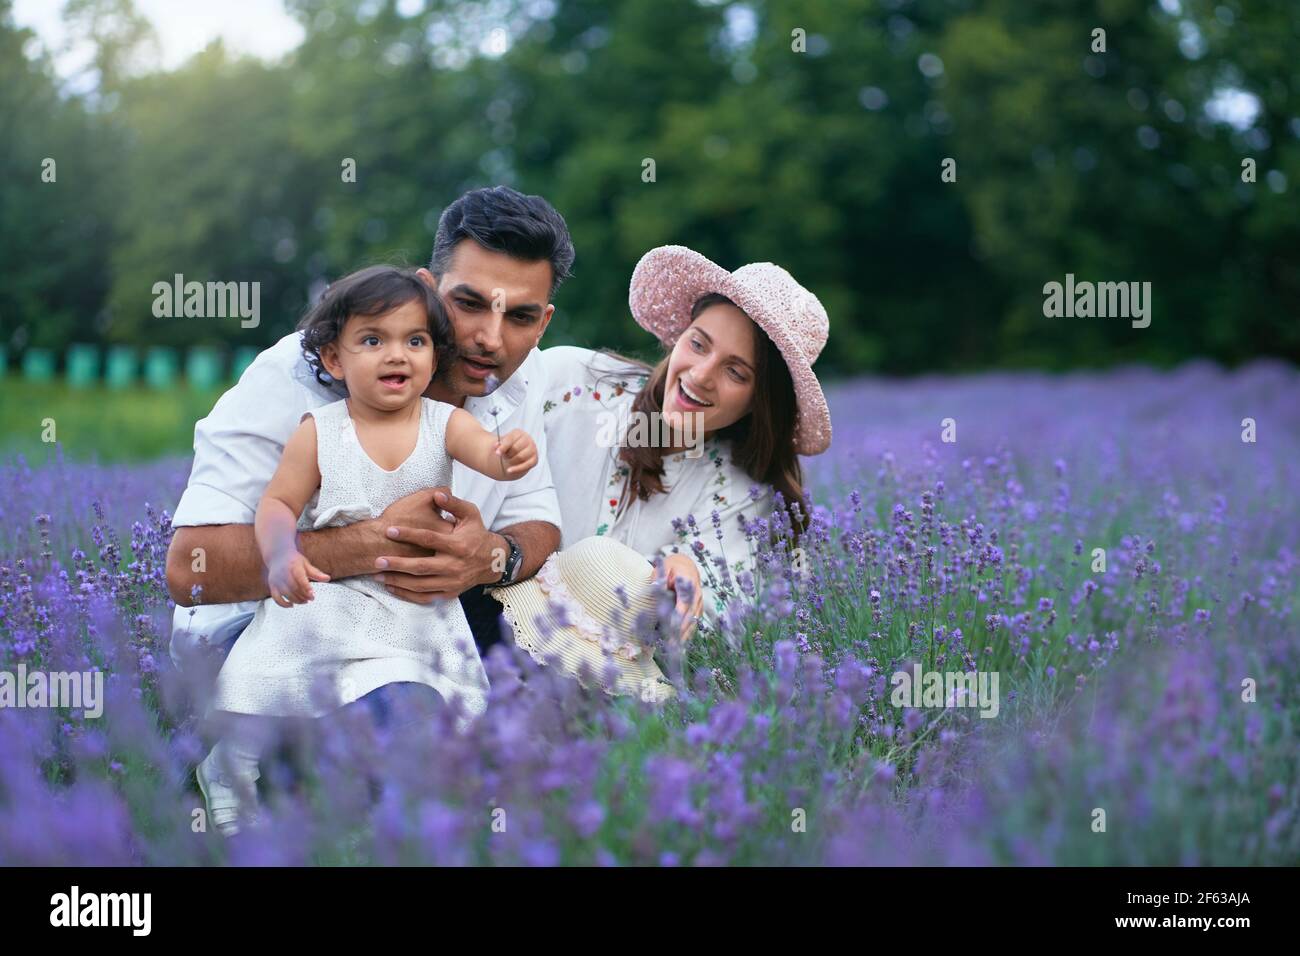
(449, 378)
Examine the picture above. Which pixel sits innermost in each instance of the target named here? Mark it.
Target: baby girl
(315, 645)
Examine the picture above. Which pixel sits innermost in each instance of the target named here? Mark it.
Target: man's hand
(464, 555)
(682, 575)
(416, 513)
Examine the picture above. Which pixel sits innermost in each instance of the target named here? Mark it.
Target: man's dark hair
(372, 291)
(501, 219)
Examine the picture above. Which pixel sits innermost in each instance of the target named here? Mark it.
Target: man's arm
(225, 562)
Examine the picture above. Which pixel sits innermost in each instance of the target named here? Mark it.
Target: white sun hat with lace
(590, 611)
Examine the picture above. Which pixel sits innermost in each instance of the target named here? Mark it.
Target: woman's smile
(690, 398)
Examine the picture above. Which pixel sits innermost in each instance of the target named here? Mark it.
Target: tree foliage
(1113, 166)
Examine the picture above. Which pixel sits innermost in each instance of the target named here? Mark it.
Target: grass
(99, 424)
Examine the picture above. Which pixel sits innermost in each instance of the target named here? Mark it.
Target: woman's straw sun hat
(669, 280)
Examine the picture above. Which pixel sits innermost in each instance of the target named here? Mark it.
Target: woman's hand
(289, 578)
(678, 568)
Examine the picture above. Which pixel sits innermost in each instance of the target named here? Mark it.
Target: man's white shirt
(238, 446)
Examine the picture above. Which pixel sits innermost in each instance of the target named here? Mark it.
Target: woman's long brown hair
(762, 442)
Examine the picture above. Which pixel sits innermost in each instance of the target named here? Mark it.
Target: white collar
(509, 395)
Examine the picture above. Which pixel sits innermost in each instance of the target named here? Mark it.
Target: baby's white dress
(355, 637)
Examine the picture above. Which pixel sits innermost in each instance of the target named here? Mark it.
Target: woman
(735, 398)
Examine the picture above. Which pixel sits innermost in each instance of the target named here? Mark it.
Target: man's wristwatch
(513, 560)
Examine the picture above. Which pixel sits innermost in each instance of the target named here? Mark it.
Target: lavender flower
(910, 554)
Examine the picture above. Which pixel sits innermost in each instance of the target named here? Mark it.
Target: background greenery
(135, 424)
(1103, 165)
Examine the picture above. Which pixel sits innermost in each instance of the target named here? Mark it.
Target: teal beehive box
(160, 367)
(38, 365)
(202, 367)
(120, 369)
(243, 358)
(83, 365)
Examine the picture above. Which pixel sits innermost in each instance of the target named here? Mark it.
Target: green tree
(1105, 165)
(56, 209)
(214, 191)
(809, 133)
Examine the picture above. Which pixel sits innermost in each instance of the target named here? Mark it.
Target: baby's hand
(290, 579)
(518, 453)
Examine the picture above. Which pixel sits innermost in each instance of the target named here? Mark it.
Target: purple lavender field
(1160, 691)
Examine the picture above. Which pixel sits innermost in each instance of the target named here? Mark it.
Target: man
(498, 257)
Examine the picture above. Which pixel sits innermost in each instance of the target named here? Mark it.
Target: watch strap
(514, 559)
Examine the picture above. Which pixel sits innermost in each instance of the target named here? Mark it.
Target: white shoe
(229, 801)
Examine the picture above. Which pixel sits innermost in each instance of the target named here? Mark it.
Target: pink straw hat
(669, 280)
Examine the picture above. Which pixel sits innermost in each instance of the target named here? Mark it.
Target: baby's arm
(296, 479)
(473, 445)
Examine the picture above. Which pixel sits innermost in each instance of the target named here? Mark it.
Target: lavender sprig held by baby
(493, 383)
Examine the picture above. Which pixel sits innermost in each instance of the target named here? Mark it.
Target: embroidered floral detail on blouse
(719, 479)
(611, 504)
(547, 406)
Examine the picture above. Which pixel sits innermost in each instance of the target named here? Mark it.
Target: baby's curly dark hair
(372, 291)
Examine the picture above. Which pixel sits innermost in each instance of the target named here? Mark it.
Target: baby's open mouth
(396, 380)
